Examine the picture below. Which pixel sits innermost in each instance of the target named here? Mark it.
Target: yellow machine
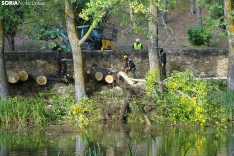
(107, 45)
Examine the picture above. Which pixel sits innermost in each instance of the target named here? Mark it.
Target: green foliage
(199, 36)
(42, 109)
(19, 110)
(81, 111)
(59, 104)
(96, 10)
(151, 80)
(94, 108)
(225, 98)
(187, 100)
(216, 11)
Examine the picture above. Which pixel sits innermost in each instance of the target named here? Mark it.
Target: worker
(62, 66)
(137, 45)
(163, 56)
(129, 66)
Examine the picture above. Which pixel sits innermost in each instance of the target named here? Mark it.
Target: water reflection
(117, 140)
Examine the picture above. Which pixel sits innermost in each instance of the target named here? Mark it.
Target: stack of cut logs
(95, 73)
(14, 77)
(102, 75)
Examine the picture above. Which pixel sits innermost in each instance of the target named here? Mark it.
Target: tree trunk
(192, 10)
(230, 28)
(23, 75)
(11, 41)
(76, 50)
(40, 79)
(164, 12)
(199, 14)
(153, 51)
(4, 88)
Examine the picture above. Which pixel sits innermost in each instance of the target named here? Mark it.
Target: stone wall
(204, 63)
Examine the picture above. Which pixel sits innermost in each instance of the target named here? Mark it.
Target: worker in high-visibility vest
(137, 45)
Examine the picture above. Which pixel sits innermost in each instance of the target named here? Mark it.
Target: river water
(116, 140)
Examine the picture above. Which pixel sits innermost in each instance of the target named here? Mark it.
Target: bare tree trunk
(4, 88)
(11, 41)
(199, 14)
(192, 7)
(230, 28)
(153, 52)
(164, 12)
(76, 50)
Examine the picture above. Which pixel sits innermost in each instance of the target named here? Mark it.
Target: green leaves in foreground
(19, 110)
(187, 100)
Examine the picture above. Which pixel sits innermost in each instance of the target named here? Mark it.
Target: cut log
(96, 75)
(107, 75)
(40, 79)
(12, 77)
(109, 78)
(59, 79)
(23, 75)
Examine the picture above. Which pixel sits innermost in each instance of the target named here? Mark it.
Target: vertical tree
(153, 38)
(76, 49)
(164, 12)
(96, 10)
(228, 9)
(4, 89)
(199, 13)
(192, 7)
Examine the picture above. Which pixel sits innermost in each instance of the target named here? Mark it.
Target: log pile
(14, 77)
(95, 73)
(98, 74)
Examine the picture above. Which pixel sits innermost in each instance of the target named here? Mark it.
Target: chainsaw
(64, 59)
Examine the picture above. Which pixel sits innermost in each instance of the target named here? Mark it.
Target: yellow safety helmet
(59, 49)
(125, 56)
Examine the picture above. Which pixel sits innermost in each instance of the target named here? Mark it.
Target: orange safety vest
(137, 46)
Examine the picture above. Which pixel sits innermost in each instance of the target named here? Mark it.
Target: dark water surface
(117, 140)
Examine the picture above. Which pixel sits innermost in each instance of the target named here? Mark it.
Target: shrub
(185, 100)
(199, 36)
